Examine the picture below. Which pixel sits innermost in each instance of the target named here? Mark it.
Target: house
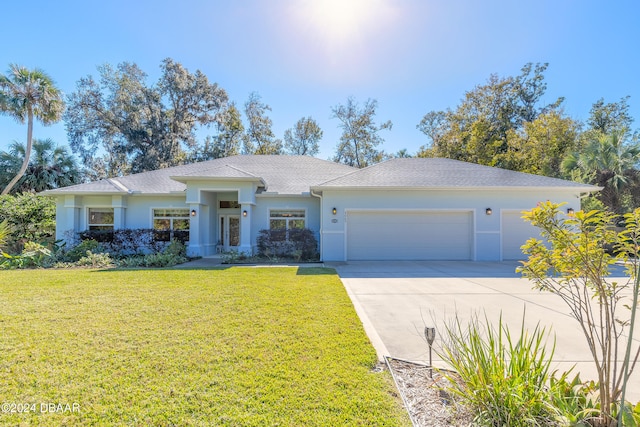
(400, 209)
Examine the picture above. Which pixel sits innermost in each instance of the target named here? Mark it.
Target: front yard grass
(236, 346)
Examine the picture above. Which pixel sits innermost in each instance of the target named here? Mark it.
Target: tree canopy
(50, 166)
(359, 141)
(24, 95)
(303, 138)
(478, 129)
(119, 124)
(259, 137)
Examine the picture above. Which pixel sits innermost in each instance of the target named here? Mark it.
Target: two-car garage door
(409, 235)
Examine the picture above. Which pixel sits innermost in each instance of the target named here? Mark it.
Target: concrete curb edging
(376, 341)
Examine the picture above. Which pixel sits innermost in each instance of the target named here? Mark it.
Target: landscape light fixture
(334, 211)
(488, 211)
(244, 213)
(430, 335)
(193, 212)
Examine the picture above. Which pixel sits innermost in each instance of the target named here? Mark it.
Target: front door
(230, 231)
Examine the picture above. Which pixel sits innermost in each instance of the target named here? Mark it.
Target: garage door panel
(515, 232)
(409, 235)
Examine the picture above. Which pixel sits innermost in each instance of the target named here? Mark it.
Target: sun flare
(339, 22)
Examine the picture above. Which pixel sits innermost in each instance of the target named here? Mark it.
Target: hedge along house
(400, 209)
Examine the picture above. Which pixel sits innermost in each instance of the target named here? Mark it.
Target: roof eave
(184, 179)
(55, 193)
(581, 189)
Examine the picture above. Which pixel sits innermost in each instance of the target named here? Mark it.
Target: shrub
(99, 260)
(31, 218)
(124, 242)
(573, 400)
(4, 233)
(33, 255)
(504, 381)
(80, 250)
(175, 253)
(300, 244)
(576, 251)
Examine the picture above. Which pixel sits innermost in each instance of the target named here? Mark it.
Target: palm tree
(49, 167)
(608, 161)
(25, 94)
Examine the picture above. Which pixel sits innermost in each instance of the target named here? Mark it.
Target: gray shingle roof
(279, 174)
(298, 174)
(443, 173)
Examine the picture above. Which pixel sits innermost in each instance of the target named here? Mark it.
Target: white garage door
(515, 232)
(402, 235)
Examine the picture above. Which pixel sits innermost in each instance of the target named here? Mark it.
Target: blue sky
(305, 56)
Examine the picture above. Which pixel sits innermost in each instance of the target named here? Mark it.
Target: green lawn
(237, 346)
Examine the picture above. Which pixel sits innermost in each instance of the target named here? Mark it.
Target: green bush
(34, 255)
(504, 380)
(4, 233)
(175, 253)
(576, 401)
(176, 248)
(80, 250)
(30, 217)
(98, 260)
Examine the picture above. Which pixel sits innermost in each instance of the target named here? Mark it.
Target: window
(226, 204)
(100, 219)
(286, 219)
(171, 224)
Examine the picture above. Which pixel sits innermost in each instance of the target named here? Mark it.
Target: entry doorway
(229, 231)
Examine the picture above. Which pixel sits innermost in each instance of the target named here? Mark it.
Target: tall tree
(608, 161)
(359, 140)
(539, 146)
(24, 95)
(227, 142)
(608, 155)
(137, 127)
(49, 167)
(303, 138)
(477, 130)
(606, 118)
(259, 138)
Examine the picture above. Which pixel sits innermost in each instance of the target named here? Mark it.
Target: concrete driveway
(396, 300)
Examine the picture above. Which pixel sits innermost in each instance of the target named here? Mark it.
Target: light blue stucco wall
(137, 212)
(487, 229)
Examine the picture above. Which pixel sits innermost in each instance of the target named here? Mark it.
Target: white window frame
(103, 209)
(286, 218)
(171, 230)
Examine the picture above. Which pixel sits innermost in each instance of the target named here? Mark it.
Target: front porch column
(196, 217)
(119, 204)
(245, 228)
(68, 218)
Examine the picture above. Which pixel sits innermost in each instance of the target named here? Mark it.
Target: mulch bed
(424, 395)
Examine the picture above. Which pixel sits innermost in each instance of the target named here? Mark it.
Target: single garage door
(402, 235)
(515, 232)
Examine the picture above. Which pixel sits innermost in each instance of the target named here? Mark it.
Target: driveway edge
(376, 341)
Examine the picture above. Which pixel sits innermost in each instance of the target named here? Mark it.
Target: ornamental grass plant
(504, 378)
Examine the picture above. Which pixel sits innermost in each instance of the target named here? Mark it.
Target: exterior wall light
(244, 213)
(570, 211)
(193, 212)
(334, 211)
(488, 211)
